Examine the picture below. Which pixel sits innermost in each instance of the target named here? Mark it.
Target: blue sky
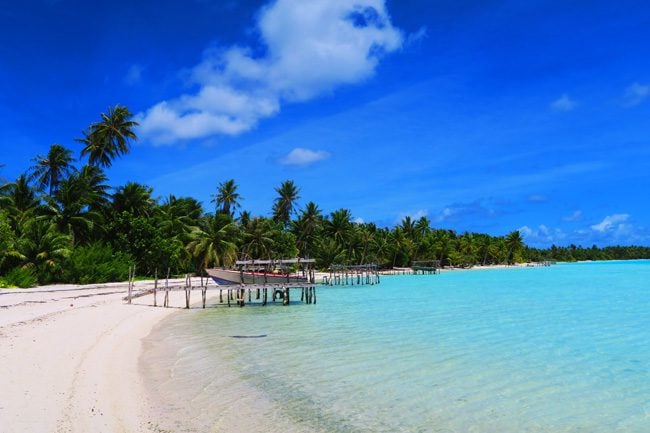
(483, 115)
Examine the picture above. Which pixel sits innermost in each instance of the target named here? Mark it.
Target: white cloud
(537, 198)
(611, 221)
(417, 36)
(542, 235)
(358, 220)
(564, 103)
(414, 215)
(636, 94)
(311, 48)
(133, 75)
(303, 157)
(575, 216)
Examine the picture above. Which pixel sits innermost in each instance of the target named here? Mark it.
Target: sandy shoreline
(69, 359)
(70, 356)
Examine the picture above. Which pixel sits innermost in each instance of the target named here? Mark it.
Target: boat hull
(229, 277)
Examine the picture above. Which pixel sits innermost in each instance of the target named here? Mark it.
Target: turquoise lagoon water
(559, 349)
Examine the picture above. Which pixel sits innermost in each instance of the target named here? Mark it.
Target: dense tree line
(61, 221)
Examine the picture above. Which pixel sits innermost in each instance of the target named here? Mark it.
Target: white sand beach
(69, 359)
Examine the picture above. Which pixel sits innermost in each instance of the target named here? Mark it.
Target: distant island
(61, 221)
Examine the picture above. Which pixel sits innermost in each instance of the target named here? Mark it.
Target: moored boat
(263, 272)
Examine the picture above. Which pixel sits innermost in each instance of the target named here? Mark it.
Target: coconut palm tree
(227, 197)
(328, 252)
(109, 138)
(42, 248)
(19, 201)
(284, 205)
(70, 211)
(173, 220)
(214, 243)
(307, 228)
(515, 244)
(49, 169)
(259, 236)
(339, 226)
(134, 198)
(94, 181)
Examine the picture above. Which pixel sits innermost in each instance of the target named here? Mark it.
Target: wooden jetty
(232, 294)
(343, 275)
(419, 267)
(426, 267)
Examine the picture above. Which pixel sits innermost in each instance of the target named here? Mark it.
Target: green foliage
(142, 240)
(80, 233)
(7, 240)
(21, 277)
(96, 263)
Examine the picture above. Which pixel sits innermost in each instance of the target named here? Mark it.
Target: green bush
(21, 277)
(96, 263)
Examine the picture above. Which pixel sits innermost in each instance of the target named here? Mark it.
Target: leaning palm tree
(109, 138)
(49, 169)
(227, 197)
(284, 204)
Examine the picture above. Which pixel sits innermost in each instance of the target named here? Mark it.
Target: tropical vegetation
(61, 221)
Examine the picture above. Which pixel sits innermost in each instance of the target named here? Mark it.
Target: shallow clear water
(564, 348)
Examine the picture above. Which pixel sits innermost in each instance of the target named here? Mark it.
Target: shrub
(21, 277)
(96, 263)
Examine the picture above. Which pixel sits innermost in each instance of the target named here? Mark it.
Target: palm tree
(42, 247)
(70, 211)
(94, 181)
(134, 198)
(227, 197)
(514, 243)
(51, 168)
(307, 227)
(173, 220)
(214, 243)
(328, 252)
(284, 204)
(19, 201)
(109, 138)
(258, 238)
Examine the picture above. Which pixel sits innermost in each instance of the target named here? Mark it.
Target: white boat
(231, 276)
(262, 272)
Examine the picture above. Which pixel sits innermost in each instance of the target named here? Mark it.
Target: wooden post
(264, 296)
(285, 297)
(155, 287)
(204, 291)
(228, 296)
(187, 297)
(302, 295)
(220, 296)
(314, 295)
(130, 287)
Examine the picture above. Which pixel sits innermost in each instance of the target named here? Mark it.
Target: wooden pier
(344, 275)
(426, 267)
(229, 295)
